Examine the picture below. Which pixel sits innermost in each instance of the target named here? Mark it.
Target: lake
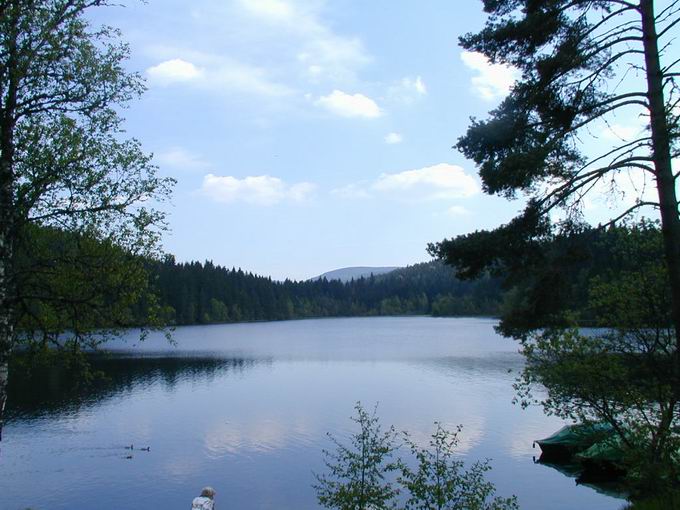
(246, 408)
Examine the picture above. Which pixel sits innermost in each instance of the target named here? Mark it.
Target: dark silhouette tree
(581, 62)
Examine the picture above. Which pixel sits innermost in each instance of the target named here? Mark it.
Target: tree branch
(629, 211)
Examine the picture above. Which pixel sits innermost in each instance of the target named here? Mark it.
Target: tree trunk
(661, 151)
(8, 214)
(6, 286)
(4, 375)
(6, 277)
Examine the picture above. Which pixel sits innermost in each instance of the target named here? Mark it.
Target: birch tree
(65, 162)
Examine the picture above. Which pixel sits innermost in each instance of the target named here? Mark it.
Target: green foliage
(669, 501)
(570, 55)
(466, 305)
(81, 195)
(567, 53)
(72, 169)
(77, 197)
(622, 376)
(574, 57)
(360, 474)
(71, 285)
(357, 472)
(441, 481)
(547, 288)
(41, 366)
(548, 282)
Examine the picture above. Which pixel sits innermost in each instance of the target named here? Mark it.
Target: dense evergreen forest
(202, 293)
(548, 283)
(531, 286)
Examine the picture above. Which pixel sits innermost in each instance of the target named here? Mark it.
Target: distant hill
(346, 274)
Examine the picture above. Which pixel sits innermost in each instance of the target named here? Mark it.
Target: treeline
(203, 293)
(99, 285)
(558, 279)
(550, 282)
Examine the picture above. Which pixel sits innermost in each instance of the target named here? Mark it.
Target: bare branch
(670, 66)
(666, 12)
(666, 29)
(591, 77)
(629, 211)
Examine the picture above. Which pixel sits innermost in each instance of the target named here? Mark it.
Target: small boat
(603, 460)
(570, 440)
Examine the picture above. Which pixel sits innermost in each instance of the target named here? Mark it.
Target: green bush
(365, 475)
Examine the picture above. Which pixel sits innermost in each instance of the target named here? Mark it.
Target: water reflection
(246, 409)
(51, 392)
(575, 471)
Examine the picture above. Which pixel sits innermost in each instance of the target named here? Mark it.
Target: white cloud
(393, 138)
(625, 132)
(458, 210)
(181, 159)
(272, 48)
(619, 191)
(493, 81)
(322, 53)
(352, 191)
(437, 182)
(416, 85)
(419, 85)
(300, 191)
(257, 190)
(246, 79)
(172, 71)
(442, 181)
(349, 105)
(274, 10)
(407, 90)
(215, 73)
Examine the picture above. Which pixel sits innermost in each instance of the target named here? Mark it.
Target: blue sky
(307, 135)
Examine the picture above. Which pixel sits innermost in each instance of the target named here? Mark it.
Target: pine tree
(578, 61)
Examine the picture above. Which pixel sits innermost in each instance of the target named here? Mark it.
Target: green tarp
(576, 438)
(608, 450)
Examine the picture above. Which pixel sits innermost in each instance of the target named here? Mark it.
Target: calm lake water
(245, 408)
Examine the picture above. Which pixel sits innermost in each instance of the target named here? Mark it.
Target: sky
(309, 135)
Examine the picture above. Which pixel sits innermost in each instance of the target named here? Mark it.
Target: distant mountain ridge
(346, 274)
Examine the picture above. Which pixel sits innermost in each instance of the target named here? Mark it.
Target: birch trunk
(8, 220)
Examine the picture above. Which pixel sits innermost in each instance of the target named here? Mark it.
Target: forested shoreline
(205, 293)
(558, 290)
(550, 284)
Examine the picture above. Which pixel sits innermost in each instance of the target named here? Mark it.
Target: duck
(131, 447)
(147, 449)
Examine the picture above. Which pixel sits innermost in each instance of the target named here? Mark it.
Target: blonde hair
(208, 492)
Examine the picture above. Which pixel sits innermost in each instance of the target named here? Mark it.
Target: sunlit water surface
(245, 408)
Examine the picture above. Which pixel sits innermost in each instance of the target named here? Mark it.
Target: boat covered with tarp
(573, 439)
(591, 453)
(603, 460)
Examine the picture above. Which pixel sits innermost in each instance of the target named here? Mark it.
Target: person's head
(208, 492)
